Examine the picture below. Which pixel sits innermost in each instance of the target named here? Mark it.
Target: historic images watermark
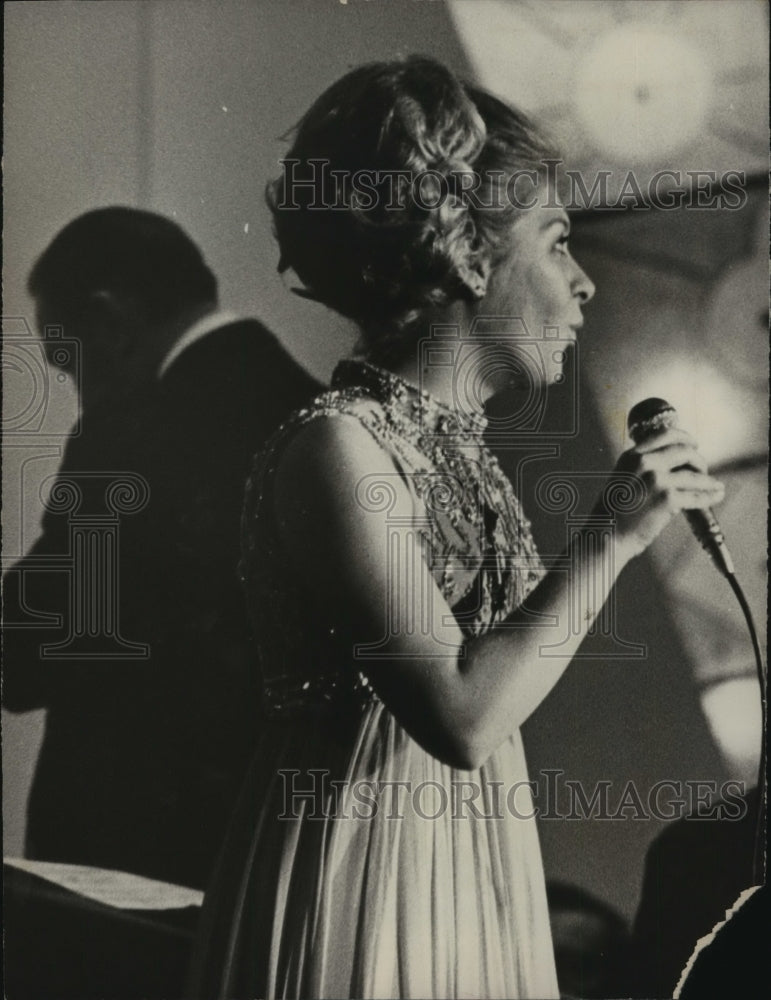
(314, 184)
(316, 795)
(87, 621)
(505, 351)
(83, 508)
(36, 370)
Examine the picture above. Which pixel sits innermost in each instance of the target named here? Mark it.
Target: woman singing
(387, 562)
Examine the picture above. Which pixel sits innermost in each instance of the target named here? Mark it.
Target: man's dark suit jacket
(695, 870)
(142, 758)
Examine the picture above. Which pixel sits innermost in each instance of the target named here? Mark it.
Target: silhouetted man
(695, 871)
(152, 715)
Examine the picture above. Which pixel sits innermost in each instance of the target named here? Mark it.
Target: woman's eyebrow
(558, 220)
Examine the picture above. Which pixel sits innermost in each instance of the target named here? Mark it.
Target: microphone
(645, 419)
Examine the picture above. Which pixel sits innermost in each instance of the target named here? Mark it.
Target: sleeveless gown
(358, 865)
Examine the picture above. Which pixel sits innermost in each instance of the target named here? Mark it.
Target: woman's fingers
(675, 478)
(688, 490)
(673, 456)
(697, 499)
(672, 435)
(670, 449)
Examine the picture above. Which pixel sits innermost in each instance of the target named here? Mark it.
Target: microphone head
(649, 416)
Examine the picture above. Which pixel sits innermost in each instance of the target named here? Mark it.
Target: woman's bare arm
(458, 700)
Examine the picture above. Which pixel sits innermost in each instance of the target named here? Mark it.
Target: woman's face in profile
(539, 283)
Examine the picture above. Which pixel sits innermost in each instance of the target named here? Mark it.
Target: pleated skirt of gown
(368, 888)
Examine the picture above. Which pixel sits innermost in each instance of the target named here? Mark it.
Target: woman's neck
(439, 381)
(435, 370)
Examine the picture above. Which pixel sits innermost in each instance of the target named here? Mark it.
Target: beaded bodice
(477, 544)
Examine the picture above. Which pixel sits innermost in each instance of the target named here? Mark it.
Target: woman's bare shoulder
(335, 481)
(336, 442)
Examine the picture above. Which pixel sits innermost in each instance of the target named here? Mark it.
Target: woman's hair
(394, 191)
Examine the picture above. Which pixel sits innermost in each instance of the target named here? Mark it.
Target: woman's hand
(458, 699)
(675, 478)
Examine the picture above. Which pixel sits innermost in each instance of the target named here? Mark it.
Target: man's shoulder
(230, 390)
(238, 352)
(228, 342)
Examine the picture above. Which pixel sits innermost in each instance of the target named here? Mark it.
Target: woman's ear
(474, 278)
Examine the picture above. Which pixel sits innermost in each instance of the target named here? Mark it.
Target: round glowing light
(718, 413)
(641, 93)
(732, 709)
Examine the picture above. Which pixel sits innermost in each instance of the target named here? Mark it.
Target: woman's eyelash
(562, 243)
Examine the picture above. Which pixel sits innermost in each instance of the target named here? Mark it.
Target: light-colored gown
(336, 880)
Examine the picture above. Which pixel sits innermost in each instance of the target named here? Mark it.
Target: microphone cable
(758, 865)
(647, 417)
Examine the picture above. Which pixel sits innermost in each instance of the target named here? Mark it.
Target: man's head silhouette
(126, 283)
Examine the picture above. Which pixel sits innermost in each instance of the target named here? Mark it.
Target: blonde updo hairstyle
(382, 252)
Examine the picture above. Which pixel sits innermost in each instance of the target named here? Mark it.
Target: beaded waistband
(289, 694)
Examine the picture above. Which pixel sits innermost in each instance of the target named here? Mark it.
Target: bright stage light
(732, 709)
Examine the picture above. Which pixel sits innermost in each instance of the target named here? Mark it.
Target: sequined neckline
(434, 416)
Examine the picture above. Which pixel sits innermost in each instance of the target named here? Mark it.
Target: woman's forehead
(540, 219)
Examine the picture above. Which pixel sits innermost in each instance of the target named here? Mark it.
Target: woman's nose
(583, 286)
